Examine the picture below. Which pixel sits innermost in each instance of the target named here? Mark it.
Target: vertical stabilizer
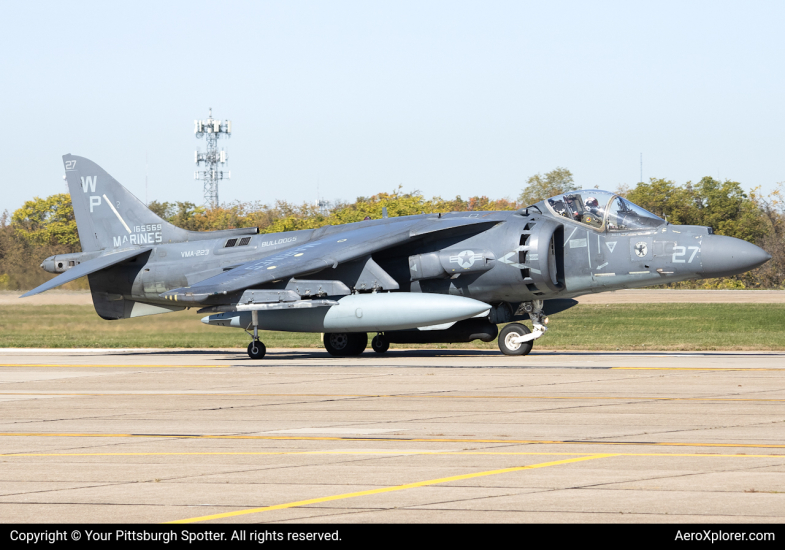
(107, 215)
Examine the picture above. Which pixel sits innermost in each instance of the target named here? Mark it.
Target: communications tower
(212, 130)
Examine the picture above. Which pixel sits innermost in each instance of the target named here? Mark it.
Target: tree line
(43, 227)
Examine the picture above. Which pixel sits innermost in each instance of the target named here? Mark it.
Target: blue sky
(450, 98)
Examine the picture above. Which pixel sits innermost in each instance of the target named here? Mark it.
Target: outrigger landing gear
(380, 344)
(256, 349)
(517, 339)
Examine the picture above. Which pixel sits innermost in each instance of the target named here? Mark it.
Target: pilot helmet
(591, 201)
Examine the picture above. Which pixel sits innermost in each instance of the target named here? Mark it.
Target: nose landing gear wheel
(380, 344)
(345, 344)
(256, 350)
(507, 337)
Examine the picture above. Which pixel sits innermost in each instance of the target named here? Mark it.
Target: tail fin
(107, 215)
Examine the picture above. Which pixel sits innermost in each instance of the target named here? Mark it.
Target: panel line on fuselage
(588, 246)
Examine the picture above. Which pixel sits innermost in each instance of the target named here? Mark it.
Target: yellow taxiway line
(380, 453)
(387, 489)
(401, 439)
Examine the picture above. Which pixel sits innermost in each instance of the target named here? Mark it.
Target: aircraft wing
(86, 268)
(313, 256)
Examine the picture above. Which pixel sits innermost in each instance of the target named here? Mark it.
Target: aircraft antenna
(213, 160)
(146, 167)
(321, 204)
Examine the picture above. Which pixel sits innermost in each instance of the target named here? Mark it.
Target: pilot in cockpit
(593, 213)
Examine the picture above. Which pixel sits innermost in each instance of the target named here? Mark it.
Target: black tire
(336, 343)
(256, 350)
(345, 344)
(379, 344)
(510, 331)
(360, 342)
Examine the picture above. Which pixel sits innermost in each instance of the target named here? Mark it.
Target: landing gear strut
(256, 349)
(517, 339)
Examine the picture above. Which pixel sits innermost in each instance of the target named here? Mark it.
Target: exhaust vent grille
(531, 255)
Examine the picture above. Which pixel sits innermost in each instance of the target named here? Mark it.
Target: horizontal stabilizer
(86, 268)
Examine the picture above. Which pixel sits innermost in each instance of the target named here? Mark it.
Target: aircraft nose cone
(723, 256)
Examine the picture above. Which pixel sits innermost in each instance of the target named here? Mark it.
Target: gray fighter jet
(432, 278)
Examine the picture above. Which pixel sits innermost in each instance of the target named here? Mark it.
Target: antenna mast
(212, 130)
(322, 205)
(146, 166)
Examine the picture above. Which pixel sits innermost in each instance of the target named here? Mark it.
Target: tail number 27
(681, 251)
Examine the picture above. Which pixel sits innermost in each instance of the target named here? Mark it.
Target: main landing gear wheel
(509, 334)
(345, 344)
(256, 350)
(380, 344)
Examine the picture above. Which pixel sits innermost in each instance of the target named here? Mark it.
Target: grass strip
(624, 327)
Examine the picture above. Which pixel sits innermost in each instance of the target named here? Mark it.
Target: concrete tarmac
(408, 436)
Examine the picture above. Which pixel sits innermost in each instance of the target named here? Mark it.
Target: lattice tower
(213, 160)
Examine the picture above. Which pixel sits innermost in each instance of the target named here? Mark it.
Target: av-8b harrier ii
(432, 278)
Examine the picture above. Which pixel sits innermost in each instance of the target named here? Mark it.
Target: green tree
(772, 273)
(162, 209)
(725, 207)
(666, 199)
(41, 228)
(539, 187)
(397, 203)
(46, 221)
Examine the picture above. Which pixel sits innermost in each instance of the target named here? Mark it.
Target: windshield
(585, 206)
(595, 208)
(626, 216)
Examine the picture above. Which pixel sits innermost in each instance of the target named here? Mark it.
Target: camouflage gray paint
(498, 262)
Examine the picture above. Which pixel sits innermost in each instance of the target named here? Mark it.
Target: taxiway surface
(411, 436)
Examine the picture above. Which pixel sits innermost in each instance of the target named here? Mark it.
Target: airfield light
(211, 129)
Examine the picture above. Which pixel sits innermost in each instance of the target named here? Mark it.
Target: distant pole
(146, 202)
(320, 204)
(211, 129)
(641, 168)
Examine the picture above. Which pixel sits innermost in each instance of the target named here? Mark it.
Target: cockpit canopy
(603, 210)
